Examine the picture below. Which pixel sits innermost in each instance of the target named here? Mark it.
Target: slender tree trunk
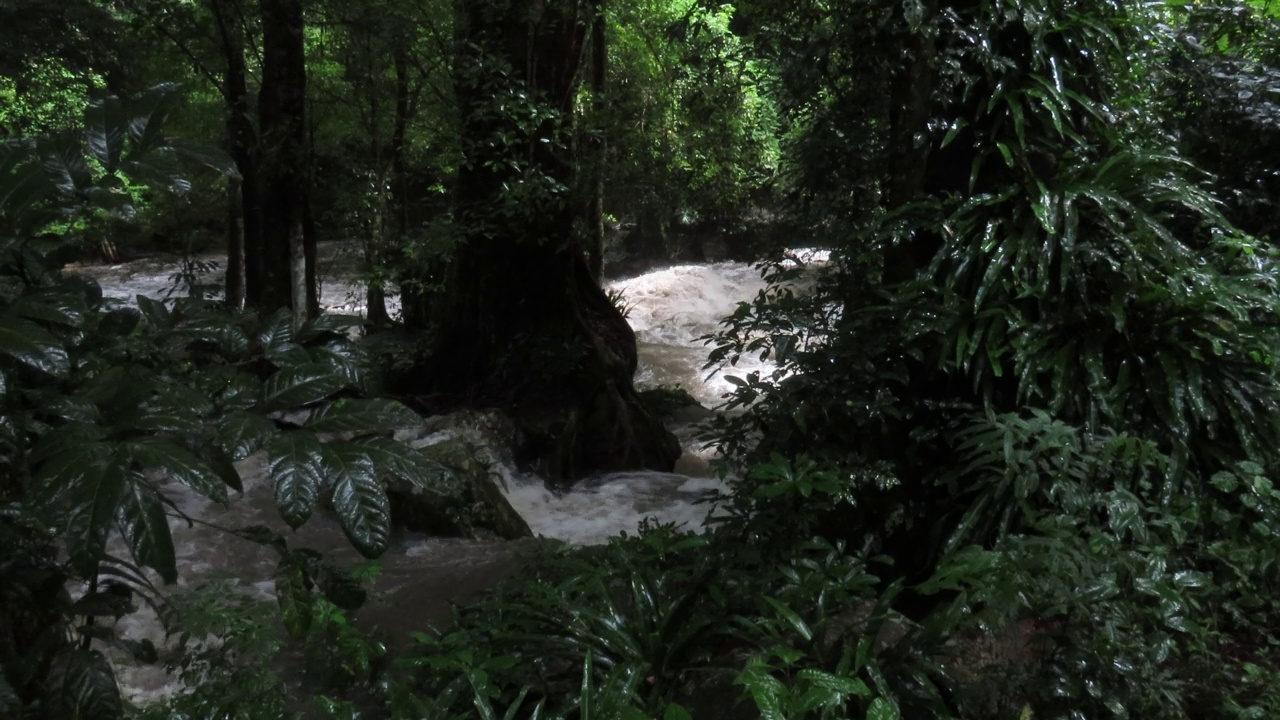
(282, 119)
(523, 323)
(597, 145)
(244, 258)
(376, 297)
(311, 259)
(234, 284)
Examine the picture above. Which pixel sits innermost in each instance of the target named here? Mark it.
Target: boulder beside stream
(465, 499)
(674, 405)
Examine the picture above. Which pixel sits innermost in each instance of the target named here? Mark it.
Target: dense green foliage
(1017, 457)
(105, 407)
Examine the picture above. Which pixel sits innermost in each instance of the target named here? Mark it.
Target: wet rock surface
(466, 498)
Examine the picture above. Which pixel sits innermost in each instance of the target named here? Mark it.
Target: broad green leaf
(349, 361)
(294, 596)
(295, 465)
(177, 410)
(94, 498)
(74, 409)
(238, 392)
(400, 460)
(219, 332)
(359, 500)
(146, 529)
(180, 464)
(240, 433)
(105, 129)
(373, 415)
(297, 386)
(328, 325)
(61, 444)
(220, 462)
(287, 354)
(120, 322)
(277, 330)
(121, 391)
(64, 163)
(882, 709)
(33, 346)
(767, 691)
(210, 157)
(792, 618)
(56, 308)
(843, 685)
(157, 315)
(814, 698)
(676, 712)
(82, 685)
(23, 191)
(147, 117)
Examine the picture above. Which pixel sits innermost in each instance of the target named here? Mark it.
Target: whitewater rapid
(671, 310)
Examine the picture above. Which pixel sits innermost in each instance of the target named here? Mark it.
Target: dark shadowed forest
(628, 359)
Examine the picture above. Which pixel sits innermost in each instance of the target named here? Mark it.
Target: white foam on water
(680, 304)
(672, 309)
(156, 278)
(600, 508)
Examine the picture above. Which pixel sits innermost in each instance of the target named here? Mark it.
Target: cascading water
(670, 310)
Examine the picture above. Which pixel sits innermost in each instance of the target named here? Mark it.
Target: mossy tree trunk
(523, 323)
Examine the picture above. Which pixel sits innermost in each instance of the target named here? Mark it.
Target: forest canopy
(1010, 443)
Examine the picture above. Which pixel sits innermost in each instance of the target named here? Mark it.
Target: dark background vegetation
(1019, 458)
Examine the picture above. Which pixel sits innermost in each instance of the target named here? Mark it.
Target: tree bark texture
(597, 146)
(523, 323)
(233, 284)
(244, 248)
(282, 123)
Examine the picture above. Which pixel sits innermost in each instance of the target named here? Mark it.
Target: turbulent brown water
(670, 309)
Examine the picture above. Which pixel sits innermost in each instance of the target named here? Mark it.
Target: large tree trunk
(523, 322)
(282, 119)
(242, 143)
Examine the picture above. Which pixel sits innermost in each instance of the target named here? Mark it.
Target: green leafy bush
(101, 405)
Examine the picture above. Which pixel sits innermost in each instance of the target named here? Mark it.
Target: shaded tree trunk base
(567, 386)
